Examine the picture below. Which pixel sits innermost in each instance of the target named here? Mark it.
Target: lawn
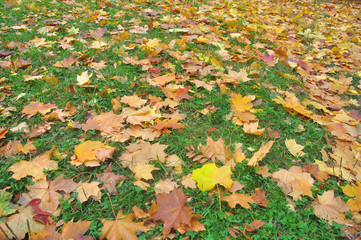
(180, 119)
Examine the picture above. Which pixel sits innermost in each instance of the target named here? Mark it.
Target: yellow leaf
(90, 153)
(294, 148)
(241, 104)
(260, 154)
(209, 175)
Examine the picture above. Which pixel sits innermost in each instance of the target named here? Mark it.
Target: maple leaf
(143, 152)
(19, 224)
(252, 128)
(292, 103)
(49, 192)
(145, 114)
(3, 131)
(76, 230)
(99, 65)
(133, 101)
(239, 198)
(209, 175)
(66, 62)
(241, 104)
(165, 186)
(215, 150)
(91, 153)
(353, 191)
(330, 208)
(294, 181)
(260, 154)
(123, 228)
(259, 196)
(294, 148)
(144, 171)
(21, 63)
(48, 232)
(98, 33)
(182, 93)
(37, 107)
(84, 79)
(163, 80)
(34, 167)
(171, 210)
(87, 190)
(6, 207)
(110, 180)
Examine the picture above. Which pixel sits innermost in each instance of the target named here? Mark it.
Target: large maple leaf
(171, 210)
(49, 192)
(123, 228)
(91, 153)
(35, 167)
(20, 223)
(209, 175)
(35, 107)
(330, 208)
(294, 181)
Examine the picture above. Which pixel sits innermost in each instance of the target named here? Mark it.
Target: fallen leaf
(260, 154)
(330, 208)
(34, 167)
(209, 175)
(37, 107)
(20, 223)
(171, 210)
(133, 101)
(87, 190)
(294, 182)
(294, 148)
(91, 153)
(165, 186)
(110, 180)
(123, 228)
(239, 198)
(76, 230)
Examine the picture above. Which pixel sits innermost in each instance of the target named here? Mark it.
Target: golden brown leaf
(123, 228)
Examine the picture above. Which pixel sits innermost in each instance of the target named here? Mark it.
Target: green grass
(280, 221)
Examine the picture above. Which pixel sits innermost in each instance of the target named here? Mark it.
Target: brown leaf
(294, 182)
(19, 222)
(37, 107)
(48, 233)
(133, 101)
(259, 196)
(330, 208)
(98, 33)
(182, 93)
(260, 154)
(171, 210)
(123, 228)
(66, 62)
(87, 190)
(35, 167)
(239, 198)
(3, 132)
(76, 230)
(49, 192)
(110, 180)
(256, 224)
(20, 63)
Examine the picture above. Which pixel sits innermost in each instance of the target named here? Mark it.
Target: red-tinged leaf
(254, 225)
(21, 63)
(182, 93)
(76, 230)
(4, 53)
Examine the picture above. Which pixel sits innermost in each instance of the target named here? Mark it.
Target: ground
(182, 119)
